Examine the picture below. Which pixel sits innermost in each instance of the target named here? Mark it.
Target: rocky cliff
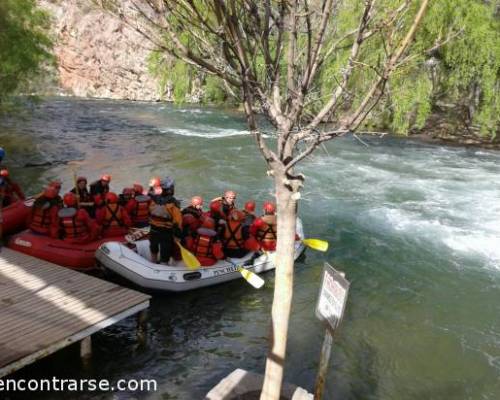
(98, 55)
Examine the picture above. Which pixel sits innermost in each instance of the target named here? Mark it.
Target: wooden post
(323, 365)
(86, 350)
(141, 327)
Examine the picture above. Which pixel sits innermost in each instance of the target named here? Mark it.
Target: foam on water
(214, 133)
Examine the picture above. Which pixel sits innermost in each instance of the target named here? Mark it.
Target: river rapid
(415, 227)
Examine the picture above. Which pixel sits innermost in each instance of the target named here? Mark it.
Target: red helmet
(106, 178)
(269, 207)
(56, 184)
(196, 201)
(111, 197)
(250, 206)
(69, 199)
(4, 172)
(128, 191)
(155, 182)
(215, 207)
(81, 179)
(50, 192)
(230, 194)
(138, 188)
(208, 223)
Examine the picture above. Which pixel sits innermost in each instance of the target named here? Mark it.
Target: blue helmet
(2, 153)
(167, 183)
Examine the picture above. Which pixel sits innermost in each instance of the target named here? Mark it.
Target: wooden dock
(45, 307)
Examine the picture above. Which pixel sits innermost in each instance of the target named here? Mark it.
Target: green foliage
(24, 44)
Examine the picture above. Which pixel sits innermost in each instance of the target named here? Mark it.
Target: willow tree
(274, 53)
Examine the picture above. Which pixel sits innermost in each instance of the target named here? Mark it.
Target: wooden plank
(36, 340)
(8, 369)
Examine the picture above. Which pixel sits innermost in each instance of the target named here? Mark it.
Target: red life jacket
(40, 215)
(233, 235)
(203, 247)
(267, 233)
(113, 216)
(141, 211)
(73, 227)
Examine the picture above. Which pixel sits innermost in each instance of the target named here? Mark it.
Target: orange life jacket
(141, 212)
(203, 243)
(268, 232)
(73, 227)
(40, 215)
(113, 216)
(233, 235)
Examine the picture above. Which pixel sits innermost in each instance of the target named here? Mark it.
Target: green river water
(415, 227)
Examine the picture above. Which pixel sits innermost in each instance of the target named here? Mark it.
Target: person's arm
(54, 229)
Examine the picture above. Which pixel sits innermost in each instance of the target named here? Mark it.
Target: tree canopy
(24, 44)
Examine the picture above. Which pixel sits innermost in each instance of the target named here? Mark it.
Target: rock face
(98, 55)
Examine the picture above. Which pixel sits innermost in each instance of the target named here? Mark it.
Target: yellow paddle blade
(252, 278)
(316, 244)
(189, 259)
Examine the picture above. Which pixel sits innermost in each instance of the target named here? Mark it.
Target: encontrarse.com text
(77, 385)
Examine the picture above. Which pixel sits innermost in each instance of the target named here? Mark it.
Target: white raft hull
(136, 267)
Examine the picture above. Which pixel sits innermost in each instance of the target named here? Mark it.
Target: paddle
(189, 259)
(316, 244)
(251, 277)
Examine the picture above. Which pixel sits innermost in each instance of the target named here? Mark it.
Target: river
(415, 227)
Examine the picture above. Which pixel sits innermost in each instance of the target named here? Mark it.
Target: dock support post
(141, 327)
(86, 348)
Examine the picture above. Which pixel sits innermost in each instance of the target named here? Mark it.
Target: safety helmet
(128, 191)
(69, 199)
(138, 188)
(208, 223)
(50, 192)
(167, 183)
(106, 178)
(230, 194)
(155, 182)
(250, 206)
(269, 207)
(4, 172)
(2, 153)
(81, 179)
(196, 201)
(111, 198)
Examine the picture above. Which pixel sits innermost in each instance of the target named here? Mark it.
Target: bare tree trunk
(283, 290)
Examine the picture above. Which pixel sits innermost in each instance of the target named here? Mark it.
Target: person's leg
(166, 247)
(154, 244)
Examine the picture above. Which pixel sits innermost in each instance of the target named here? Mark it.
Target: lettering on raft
(225, 270)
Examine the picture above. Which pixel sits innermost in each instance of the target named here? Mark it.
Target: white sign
(332, 297)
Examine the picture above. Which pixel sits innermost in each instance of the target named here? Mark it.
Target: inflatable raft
(15, 216)
(133, 263)
(75, 256)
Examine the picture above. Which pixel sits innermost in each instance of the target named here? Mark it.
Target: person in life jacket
(11, 190)
(265, 229)
(138, 209)
(57, 186)
(226, 203)
(249, 212)
(205, 245)
(75, 225)
(43, 218)
(112, 217)
(236, 237)
(165, 221)
(99, 189)
(192, 216)
(84, 199)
